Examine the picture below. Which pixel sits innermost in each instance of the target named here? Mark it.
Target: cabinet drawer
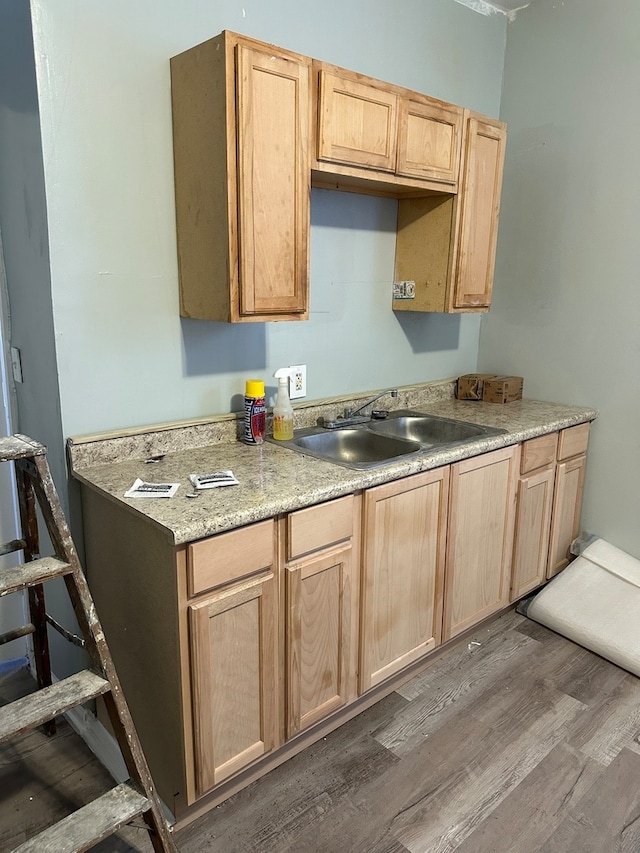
(538, 452)
(573, 441)
(223, 558)
(319, 526)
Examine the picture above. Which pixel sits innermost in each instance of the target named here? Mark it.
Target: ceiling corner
(509, 8)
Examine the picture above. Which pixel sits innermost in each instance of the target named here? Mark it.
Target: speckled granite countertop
(275, 479)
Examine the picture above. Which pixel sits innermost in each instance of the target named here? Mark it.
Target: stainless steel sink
(429, 430)
(354, 447)
(377, 442)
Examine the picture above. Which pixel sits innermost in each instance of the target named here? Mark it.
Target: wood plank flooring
(514, 741)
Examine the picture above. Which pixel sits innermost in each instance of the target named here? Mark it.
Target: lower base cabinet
(321, 595)
(232, 638)
(480, 539)
(249, 639)
(404, 538)
(549, 504)
(319, 623)
(232, 641)
(567, 496)
(533, 514)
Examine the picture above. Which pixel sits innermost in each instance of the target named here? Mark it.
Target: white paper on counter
(214, 480)
(140, 489)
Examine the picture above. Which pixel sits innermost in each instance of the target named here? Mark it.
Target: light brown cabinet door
(481, 184)
(357, 123)
(533, 523)
(480, 541)
(567, 506)
(403, 564)
(322, 612)
(233, 666)
(274, 177)
(242, 163)
(429, 138)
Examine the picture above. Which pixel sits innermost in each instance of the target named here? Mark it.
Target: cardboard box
(502, 389)
(471, 385)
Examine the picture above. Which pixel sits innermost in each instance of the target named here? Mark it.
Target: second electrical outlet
(297, 381)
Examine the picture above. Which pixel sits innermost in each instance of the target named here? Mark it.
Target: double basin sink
(377, 442)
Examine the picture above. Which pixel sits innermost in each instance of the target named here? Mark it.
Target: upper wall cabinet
(366, 127)
(446, 244)
(255, 126)
(242, 130)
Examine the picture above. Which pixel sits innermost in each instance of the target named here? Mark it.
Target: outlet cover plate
(297, 381)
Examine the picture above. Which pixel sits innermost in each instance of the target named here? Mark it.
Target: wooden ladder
(137, 796)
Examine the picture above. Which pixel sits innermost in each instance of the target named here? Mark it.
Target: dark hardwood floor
(514, 741)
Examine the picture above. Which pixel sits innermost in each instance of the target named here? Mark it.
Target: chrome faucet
(350, 413)
(351, 417)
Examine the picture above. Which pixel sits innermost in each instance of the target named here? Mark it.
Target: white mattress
(595, 602)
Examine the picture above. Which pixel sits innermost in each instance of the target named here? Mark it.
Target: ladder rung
(18, 447)
(12, 547)
(49, 702)
(90, 824)
(16, 633)
(32, 573)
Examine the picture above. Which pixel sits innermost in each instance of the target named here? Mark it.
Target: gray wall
(124, 357)
(24, 229)
(86, 183)
(87, 214)
(23, 224)
(566, 313)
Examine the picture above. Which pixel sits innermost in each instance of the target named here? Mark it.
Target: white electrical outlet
(297, 381)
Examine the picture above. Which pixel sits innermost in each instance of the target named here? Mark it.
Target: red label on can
(254, 420)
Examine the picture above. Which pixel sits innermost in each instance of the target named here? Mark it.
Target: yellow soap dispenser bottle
(283, 410)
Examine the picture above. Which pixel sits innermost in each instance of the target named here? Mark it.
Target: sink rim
(417, 447)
